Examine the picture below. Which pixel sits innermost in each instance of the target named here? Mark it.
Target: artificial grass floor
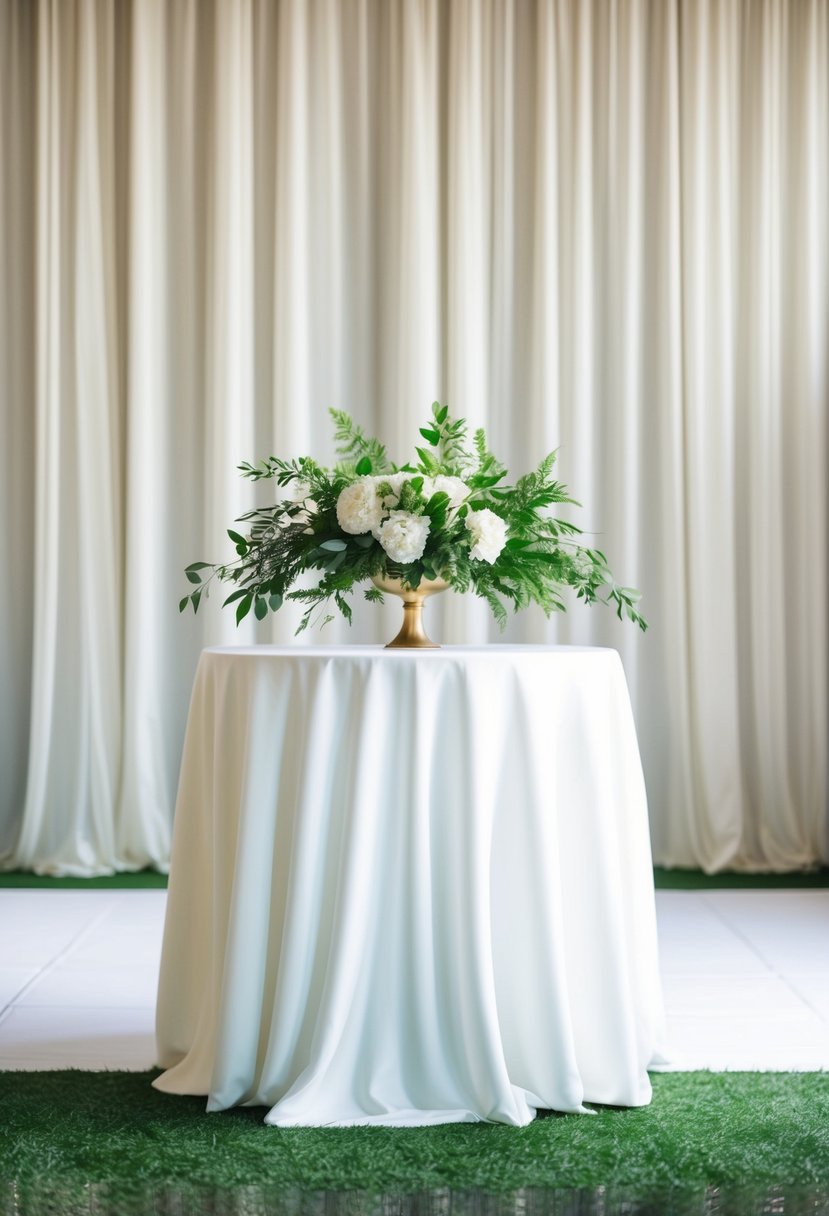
(702, 1130)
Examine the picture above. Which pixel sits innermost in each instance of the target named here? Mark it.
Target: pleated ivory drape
(600, 227)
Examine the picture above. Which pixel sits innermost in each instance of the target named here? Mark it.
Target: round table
(410, 887)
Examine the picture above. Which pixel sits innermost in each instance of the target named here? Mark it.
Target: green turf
(664, 880)
(137, 881)
(702, 1130)
(696, 880)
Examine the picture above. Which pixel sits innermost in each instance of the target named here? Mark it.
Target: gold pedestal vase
(412, 634)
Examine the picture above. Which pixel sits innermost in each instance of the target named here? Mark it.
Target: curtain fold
(600, 228)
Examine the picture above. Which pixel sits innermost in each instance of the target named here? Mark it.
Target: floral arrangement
(450, 516)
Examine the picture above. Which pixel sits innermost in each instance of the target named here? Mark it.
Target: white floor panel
(12, 982)
(94, 1038)
(695, 940)
(707, 995)
(788, 930)
(116, 987)
(745, 975)
(769, 1043)
(814, 990)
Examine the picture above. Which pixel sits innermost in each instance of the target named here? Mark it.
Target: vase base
(405, 644)
(412, 635)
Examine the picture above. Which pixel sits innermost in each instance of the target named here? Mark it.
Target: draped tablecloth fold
(410, 887)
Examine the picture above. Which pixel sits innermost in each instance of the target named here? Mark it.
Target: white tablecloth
(410, 887)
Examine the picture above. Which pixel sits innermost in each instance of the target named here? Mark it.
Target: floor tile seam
(732, 1018)
(105, 968)
(53, 962)
(735, 975)
(88, 1066)
(769, 966)
(97, 1006)
(89, 1008)
(103, 1063)
(824, 1017)
(40, 970)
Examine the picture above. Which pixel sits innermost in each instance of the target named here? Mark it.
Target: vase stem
(412, 634)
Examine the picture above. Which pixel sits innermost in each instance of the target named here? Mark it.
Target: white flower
(358, 507)
(403, 536)
(395, 481)
(456, 489)
(489, 532)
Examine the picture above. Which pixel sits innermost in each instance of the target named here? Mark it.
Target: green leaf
(432, 436)
(196, 598)
(275, 602)
(365, 541)
(236, 538)
(199, 566)
(334, 546)
(237, 595)
(439, 501)
(344, 606)
(182, 604)
(483, 482)
(427, 459)
(192, 576)
(441, 414)
(260, 608)
(244, 608)
(364, 467)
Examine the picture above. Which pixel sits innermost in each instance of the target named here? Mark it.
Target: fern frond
(353, 445)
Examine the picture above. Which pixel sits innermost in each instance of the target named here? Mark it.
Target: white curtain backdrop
(599, 226)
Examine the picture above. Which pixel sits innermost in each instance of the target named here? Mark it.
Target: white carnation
(358, 507)
(403, 536)
(489, 533)
(395, 481)
(457, 490)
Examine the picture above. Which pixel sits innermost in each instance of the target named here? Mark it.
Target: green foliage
(358, 452)
(541, 560)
